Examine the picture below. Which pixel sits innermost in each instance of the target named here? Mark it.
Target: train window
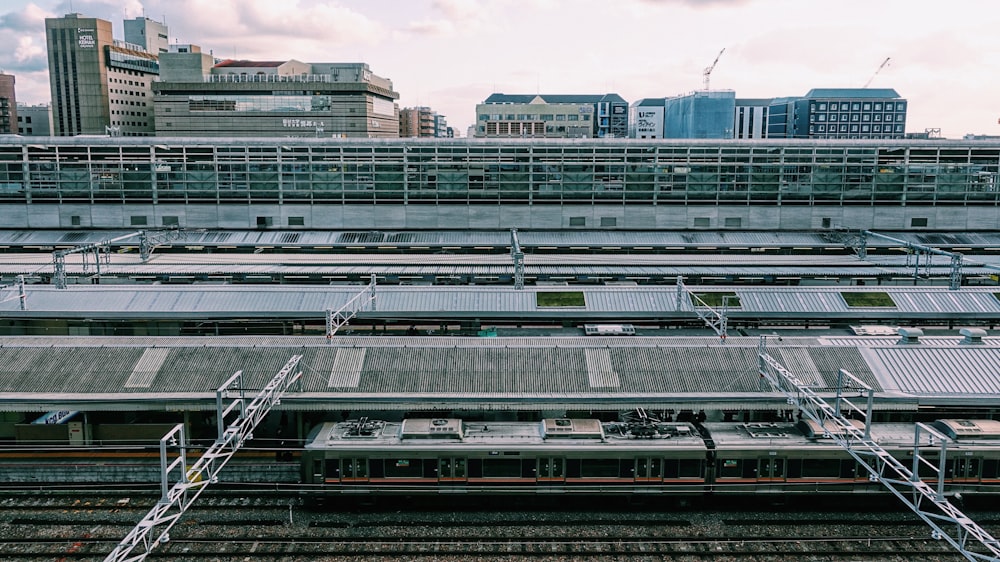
(403, 468)
(599, 468)
(333, 468)
(820, 468)
(991, 468)
(501, 468)
(690, 468)
(572, 468)
(730, 468)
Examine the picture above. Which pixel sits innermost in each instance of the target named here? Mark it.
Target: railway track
(910, 548)
(232, 527)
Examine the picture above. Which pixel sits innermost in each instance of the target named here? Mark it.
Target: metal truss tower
(175, 501)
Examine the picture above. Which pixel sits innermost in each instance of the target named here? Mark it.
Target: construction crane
(879, 69)
(708, 71)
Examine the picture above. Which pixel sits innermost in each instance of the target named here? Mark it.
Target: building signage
(56, 417)
(293, 123)
(85, 38)
(649, 122)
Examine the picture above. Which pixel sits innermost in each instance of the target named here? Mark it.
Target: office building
(8, 105)
(34, 120)
(552, 116)
(98, 85)
(839, 113)
(151, 35)
(198, 97)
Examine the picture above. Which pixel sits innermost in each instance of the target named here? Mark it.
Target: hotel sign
(85, 38)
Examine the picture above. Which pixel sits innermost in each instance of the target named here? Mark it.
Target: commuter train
(427, 455)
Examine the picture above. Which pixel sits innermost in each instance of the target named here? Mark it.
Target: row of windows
(856, 117)
(857, 106)
(854, 128)
(534, 117)
(628, 468)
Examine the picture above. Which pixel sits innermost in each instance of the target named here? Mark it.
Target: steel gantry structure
(147, 242)
(929, 503)
(174, 501)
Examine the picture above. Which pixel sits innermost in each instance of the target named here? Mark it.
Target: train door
(354, 469)
(771, 469)
(648, 469)
(452, 469)
(963, 469)
(551, 469)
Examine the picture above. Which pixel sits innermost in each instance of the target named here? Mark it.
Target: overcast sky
(451, 54)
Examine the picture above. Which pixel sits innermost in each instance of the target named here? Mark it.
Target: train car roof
(415, 434)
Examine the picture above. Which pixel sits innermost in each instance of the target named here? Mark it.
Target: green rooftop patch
(560, 299)
(868, 299)
(715, 300)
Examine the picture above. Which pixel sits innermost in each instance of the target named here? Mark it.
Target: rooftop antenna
(879, 69)
(708, 71)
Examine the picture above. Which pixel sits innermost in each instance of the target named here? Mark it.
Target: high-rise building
(552, 116)
(839, 113)
(196, 96)
(149, 34)
(421, 122)
(34, 120)
(98, 85)
(8, 105)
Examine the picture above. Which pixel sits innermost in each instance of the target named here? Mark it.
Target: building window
(578, 221)
(733, 222)
(296, 221)
(609, 221)
(264, 222)
(702, 222)
(918, 221)
(169, 220)
(74, 220)
(138, 220)
(826, 222)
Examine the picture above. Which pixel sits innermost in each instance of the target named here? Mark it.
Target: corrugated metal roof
(499, 372)
(298, 301)
(930, 371)
(498, 238)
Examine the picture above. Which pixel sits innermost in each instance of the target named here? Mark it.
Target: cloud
(28, 27)
(430, 28)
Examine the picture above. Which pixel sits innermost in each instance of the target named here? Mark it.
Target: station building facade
(552, 116)
(434, 184)
(197, 96)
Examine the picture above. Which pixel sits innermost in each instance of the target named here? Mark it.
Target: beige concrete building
(98, 85)
(552, 116)
(197, 96)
